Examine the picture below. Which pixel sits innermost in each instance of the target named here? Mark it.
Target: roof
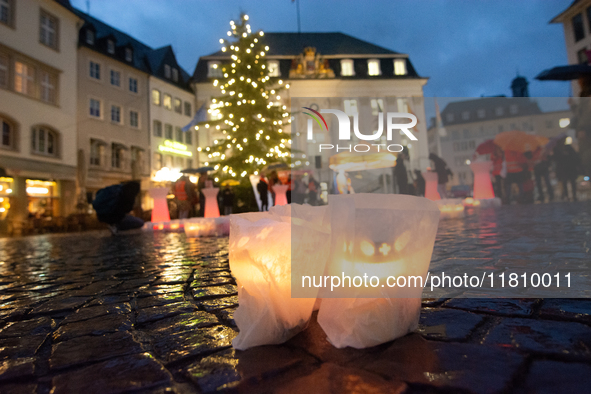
(145, 58)
(286, 46)
(560, 17)
(525, 106)
(293, 44)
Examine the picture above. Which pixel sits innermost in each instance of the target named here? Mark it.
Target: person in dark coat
(567, 168)
(443, 174)
(263, 189)
(419, 183)
(400, 172)
(227, 200)
(113, 204)
(542, 173)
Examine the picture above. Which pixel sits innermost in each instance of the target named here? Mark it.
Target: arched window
(8, 136)
(44, 141)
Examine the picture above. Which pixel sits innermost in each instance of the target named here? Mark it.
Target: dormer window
(347, 69)
(90, 37)
(400, 67)
(175, 75)
(111, 47)
(273, 68)
(128, 54)
(214, 69)
(373, 67)
(166, 71)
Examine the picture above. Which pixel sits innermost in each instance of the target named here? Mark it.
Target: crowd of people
(519, 175)
(298, 191)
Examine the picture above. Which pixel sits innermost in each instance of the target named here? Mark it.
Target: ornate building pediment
(310, 65)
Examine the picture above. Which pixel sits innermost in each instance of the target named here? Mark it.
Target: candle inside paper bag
(211, 203)
(261, 248)
(280, 194)
(483, 188)
(160, 211)
(374, 238)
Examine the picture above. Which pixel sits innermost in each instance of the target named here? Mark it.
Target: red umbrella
(487, 147)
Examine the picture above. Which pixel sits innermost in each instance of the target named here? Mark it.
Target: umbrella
(517, 141)
(486, 148)
(230, 182)
(197, 170)
(565, 73)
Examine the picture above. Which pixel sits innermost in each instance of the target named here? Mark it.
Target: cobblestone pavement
(91, 313)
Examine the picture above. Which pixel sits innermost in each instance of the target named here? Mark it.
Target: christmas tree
(249, 117)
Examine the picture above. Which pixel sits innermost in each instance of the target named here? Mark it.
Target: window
(24, 78)
(582, 57)
(157, 161)
(175, 75)
(90, 37)
(179, 134)
(168, 161)
(377, 106)
(350, 107)
(187, 108)
(97, 152)
(513, 109)
(95, 108)
(167, 71)
(189, 163)
(467, 133)
(134, 119)
(167, 102)
(48, 90)
(578, 28)
(111, 47)
(178, 106)
(273, 67)
(214, 69)
(95, 70)
(471, 144)
(525, 126)
(7, 139)
(3, 70)
(6, 12)
(500, 128)
(499, 111)
(549, 124)
(44, 141)
(133, 85)
(481, 113)
(155, 97)
(373, 67)
(115, 114)
(128, 55)
(189, 137)
(450, 117)
(48, 30)
(117, 155)
(347, 69)
(399, 67)
(115, 78)
(455, 135)
(168, 131)
(465, 115)
(179, 162)
(157, 128)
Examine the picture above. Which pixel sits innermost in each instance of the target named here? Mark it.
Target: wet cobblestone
(153, 313)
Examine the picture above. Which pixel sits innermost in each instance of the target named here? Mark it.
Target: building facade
(576, 22)
(172, 106)
(330, 70)
(471, 122)
(38, 109)
(113, 106)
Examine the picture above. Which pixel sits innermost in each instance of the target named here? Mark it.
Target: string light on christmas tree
(245, 108)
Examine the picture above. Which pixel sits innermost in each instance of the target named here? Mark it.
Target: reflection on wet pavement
(153, 312)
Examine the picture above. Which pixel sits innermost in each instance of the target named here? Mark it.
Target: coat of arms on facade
(310, 65)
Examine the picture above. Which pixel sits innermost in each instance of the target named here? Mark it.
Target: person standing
(443, 174)
(263, 189)
(273, 179)
(497, 158)
(542, 172)
(400, 172)
(182, 192)
(567, 168)
(202, 184)
(419, 183)
(516, 174)
(227, 200)
(289, 185)
(313, 187)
